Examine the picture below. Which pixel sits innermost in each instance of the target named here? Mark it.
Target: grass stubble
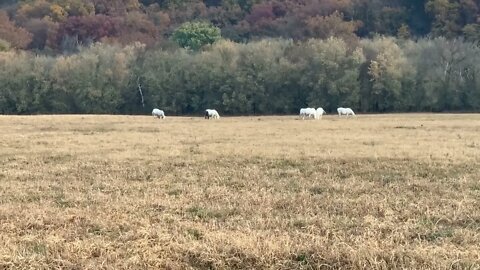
(132, 192)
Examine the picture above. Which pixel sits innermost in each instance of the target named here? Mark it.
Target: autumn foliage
(17, 37)
(48, 24)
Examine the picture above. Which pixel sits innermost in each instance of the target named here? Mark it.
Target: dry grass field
(133, 192)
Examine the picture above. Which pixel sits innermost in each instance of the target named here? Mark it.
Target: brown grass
(130, 192)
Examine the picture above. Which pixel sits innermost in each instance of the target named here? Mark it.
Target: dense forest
(238, 56)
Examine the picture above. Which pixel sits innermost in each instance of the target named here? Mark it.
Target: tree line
(269, 76)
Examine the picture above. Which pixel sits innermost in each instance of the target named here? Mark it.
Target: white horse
(158, 113)
(319, 113)
(209, 113)
(345, 111)
(308, 113)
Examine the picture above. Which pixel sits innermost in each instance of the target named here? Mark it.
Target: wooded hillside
(63, 24)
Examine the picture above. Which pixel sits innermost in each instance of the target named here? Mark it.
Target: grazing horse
(345, 111)
(209, 113)
(308, 113)
(158, 113)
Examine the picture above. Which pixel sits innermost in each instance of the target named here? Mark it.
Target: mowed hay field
(134, 192)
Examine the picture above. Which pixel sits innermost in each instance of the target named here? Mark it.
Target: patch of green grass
(405, 127)
(472, 145)
(138, 175)
(475, 187)
(370, 143)
(302, 257)
(32, 197)
(57, 159)
(300, 224)
(436, 235)
(204, 213)
(174, 192)
(61, 201)
(95, 229)
(35, 247)
(316, 190)
(195, 233)
(158, 208)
